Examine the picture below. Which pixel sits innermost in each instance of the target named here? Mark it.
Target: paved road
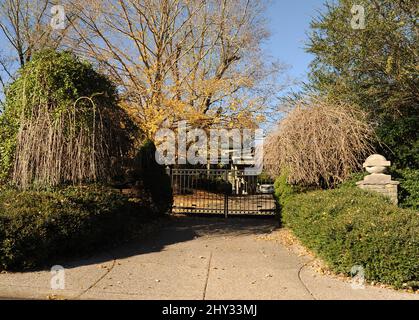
(195, 258)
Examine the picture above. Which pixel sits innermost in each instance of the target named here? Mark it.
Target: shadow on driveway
(177, 229)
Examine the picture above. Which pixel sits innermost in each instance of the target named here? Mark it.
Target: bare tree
(199, 60)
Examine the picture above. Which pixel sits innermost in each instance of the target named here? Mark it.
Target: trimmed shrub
(283, 190)
(409, 187)
(153, 176)
(36, 226)
(348, 227)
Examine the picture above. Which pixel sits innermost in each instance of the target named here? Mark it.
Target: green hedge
(36, 226)
(283, 190)
(409, 187)
(154, 177)
(348, 226)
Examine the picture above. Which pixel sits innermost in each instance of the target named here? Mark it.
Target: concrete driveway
(195, 258)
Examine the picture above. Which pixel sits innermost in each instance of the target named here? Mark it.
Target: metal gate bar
(221, 192)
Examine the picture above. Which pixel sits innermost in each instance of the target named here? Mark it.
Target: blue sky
(289, 22)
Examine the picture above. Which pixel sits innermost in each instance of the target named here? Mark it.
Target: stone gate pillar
(377, 181)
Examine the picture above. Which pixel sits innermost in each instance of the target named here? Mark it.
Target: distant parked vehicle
(266, 188)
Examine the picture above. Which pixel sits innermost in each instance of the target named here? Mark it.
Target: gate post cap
(376, 163)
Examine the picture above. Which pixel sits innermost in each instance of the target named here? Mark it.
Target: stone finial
(376, 164)
(377, 181)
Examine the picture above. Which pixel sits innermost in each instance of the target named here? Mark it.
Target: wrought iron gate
(222, 192)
